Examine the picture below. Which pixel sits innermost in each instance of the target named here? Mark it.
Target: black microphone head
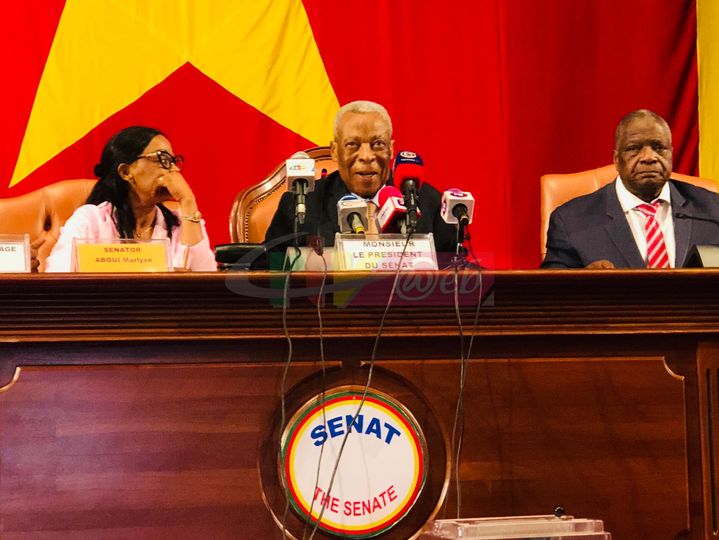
(460, 212)
(408, 169)
(457, 207)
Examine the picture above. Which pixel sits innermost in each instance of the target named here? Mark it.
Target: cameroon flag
(708, 59)
(491, 93)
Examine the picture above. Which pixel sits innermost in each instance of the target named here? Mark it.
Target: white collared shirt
(628, 201)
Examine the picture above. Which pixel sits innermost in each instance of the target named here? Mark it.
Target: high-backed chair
(255, 205)
(43, 212)
(556, 189)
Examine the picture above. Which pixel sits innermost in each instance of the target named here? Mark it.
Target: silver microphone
(352, 214)
(300, 170)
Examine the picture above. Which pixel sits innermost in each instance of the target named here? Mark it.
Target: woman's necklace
(140, 234)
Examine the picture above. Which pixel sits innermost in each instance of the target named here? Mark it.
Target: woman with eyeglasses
(138, 172)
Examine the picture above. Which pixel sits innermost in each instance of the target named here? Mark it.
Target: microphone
(392, 213)
(300, 170)
(408, 175)
(352, 214)
(457, 207)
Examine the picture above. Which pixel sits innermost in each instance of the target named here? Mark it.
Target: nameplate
(385, 252)
(14, 253)
(121, 256)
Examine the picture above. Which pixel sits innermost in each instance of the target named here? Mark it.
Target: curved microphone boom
(352, 214)
(408, 176)
(300, 181)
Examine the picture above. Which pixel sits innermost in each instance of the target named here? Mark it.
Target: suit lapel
(682, 227)
(618, 229)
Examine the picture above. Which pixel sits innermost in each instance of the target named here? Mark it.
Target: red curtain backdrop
(491, 93)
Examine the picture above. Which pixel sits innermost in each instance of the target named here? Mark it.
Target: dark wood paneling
(141, 401)
(595, 435)
(112, 448)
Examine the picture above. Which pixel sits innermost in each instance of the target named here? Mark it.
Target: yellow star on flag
(106, 54)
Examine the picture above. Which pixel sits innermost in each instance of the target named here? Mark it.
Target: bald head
(636, 115)
(643, 153)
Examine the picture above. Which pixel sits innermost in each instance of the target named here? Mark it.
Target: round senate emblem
(381, 470)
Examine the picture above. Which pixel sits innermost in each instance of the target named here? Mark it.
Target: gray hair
(361, 107)
(639, 113)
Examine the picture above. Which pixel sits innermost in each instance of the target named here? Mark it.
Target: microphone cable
(457, 437)
(288, 361)
(463, 374)
(285, 371)
(367, 384)
(459, 411)
(320, 299)
(468, 241)
(323, 393)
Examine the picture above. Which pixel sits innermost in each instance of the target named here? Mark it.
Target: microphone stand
(299, 186)
(409, 191)
(459, 260)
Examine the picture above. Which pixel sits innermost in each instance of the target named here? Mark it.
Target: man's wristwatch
(195, 217)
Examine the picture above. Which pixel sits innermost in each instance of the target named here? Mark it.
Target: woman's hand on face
(176, 184)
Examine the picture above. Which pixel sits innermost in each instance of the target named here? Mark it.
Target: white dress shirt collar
(628, 200)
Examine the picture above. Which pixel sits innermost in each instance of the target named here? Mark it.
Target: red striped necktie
(657, 256)
(371, 218)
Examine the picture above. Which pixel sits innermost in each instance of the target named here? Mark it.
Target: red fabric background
(491, 93)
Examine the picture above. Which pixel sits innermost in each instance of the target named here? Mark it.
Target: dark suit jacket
(594, 227)
(321, 216)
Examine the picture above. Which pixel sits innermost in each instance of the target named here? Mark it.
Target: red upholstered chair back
(556, 189)
(43, 212)
(255, 205)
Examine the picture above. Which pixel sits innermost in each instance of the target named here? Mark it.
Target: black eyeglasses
(165, 159)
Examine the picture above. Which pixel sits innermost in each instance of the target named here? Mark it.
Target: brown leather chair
(255, 205)
(556, 189)
(43, 212)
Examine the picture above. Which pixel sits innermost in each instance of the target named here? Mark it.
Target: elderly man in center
(363, 149)
(643, 219)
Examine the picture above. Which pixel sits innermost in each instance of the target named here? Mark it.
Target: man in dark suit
(363, 149)
(643, 218)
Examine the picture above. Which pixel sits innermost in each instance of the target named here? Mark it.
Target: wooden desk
(134, 406)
